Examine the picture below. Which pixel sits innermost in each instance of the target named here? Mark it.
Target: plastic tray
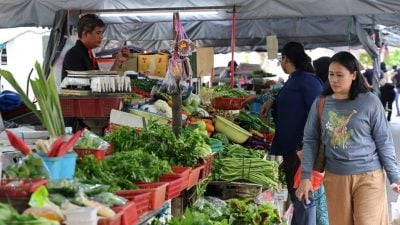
(89, 107)
(194, 176)
(25, 189)
(142, 199)
(158, 190)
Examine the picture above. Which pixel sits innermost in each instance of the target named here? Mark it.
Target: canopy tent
(315, 23)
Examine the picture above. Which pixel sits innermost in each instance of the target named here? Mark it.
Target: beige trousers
(357, 199)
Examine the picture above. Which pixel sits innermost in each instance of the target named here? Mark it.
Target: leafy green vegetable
(45, 91)
(137, 166)
(97, 172)
(226, 91)
(144, 84)
(160, 140)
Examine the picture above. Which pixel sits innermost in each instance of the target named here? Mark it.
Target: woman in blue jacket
(292, 106)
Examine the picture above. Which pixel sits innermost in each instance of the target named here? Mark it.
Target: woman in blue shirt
(292, 106)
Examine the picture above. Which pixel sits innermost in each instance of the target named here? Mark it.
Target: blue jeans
(301, 215)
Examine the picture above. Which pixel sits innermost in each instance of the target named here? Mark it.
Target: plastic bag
(91, 141)
(39, 199)
(109, 199)
(317, 178)
(395, 207)
(30, 166)
(213, 207)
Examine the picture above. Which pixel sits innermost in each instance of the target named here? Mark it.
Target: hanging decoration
(179, 69)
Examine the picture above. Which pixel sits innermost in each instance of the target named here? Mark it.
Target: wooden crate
(226, 190)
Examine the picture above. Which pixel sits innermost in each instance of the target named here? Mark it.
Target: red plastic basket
(115, 220)
(140, 92)
(89, 107)
(174, 187)
(227, 103)
(18, 196)
(20, 188)
(158, 190)
(97, 153)
(178, 172)
(142, 199)
(194, 176)
(129, 215)
(207, 166)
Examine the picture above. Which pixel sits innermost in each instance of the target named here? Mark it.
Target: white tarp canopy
(316, 23)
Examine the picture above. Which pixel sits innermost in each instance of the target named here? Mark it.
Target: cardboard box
(153, 65)
(131, 63)
(205, 61)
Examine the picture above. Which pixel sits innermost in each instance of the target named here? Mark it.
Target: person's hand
(303, 190)
(396, 186)
(266, 107)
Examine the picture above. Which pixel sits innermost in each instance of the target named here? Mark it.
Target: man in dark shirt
(80, 57)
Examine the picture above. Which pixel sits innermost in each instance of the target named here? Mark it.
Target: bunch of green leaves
(137, 166)
(91, 171)
(253, 122)
(160, 140)
(123, 139)
(45, 91)
(226, 91)
(192, 217)
(247, 212)
(144, 84)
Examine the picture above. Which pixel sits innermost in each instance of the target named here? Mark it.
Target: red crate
(207, 162)
(97, 153)
(178, 172)
(158, 190)
(174, 187)
(19, 196)
(140, 92)
(227, 103)
(194, 176)
(20, 188)
(115, 220)
(130, 215)
(89, 107)
(142, 199)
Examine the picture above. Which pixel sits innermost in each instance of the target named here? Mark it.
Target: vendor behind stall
(81, 57)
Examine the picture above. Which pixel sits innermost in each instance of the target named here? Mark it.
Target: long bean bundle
(255, 170)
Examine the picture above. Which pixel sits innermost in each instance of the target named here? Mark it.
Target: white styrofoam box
(81, 215)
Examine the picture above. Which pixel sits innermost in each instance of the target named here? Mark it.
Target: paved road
(395, 123)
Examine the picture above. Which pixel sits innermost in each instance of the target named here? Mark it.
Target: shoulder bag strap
(321, 108)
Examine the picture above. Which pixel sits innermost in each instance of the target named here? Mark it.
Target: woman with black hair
(358, 148)
(291, 109)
